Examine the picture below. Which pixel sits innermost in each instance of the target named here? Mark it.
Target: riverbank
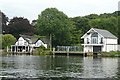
(110, 54)
(42, 51)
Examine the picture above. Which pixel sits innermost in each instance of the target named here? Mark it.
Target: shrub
(8, 40)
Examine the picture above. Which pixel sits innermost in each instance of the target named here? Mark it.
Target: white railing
(69, 48)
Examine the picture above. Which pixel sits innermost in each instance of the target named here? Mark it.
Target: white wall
(89, 37)
(40, 43)
(111, 41)
(21, 42)
(118, 47)
(111, 48)
(110, 44)
(88, 49)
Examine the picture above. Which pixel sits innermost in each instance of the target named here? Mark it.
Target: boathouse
(98, 40)
(26, 44)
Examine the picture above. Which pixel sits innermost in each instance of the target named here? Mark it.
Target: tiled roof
(105, 33)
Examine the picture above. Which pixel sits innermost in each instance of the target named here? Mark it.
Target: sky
(30, 9)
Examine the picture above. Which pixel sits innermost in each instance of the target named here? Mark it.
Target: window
(87, 40)
(101, 41)
(94, 38)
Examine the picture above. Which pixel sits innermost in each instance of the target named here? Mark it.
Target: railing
(94, 43)
(69, 48)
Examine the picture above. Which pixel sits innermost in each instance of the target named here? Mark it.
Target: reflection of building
(97, 40)
(100, 67)
(27, 44)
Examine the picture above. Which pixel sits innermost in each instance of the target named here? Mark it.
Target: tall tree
(81, 23)
(54, 22)
(118, 17)
(4, 20)
(110, 24)
(20, 25)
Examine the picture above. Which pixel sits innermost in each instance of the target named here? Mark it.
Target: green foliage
(8, 40)
(109, 24)
(0, 41)
(81, 23)
(20, 25)
(110, 54)
(118, 32)
(42, 51)
(54, 22)
(4, 21)
(81, 27)
(64, 30)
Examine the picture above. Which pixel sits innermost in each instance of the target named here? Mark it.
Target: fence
(69, 48)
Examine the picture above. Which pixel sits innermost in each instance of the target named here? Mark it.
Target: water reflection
(100, 67)
(59, 66)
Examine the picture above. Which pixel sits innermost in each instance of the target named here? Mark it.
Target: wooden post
(28, 49)
(50, 42)
(15, 48)
(25, 50)
(67, 51)
(53, 52)
(11, 48)
(7, 49)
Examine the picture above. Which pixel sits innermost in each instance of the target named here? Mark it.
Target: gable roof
(104, 33)
(29, 39)
(34, 39)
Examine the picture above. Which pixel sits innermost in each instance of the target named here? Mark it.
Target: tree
(55, 23)
(81, 23)
(118, 32)
(110, 24)
(4, 22)
(92, 16)
(20, 25)
(0, 41)
(8, 40)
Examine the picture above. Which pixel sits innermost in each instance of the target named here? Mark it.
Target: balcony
(93, 44)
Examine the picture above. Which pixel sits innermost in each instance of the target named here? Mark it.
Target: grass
(110, 54)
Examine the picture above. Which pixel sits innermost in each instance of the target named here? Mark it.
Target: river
(60, 67)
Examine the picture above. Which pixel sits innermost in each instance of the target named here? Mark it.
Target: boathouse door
(96, 48)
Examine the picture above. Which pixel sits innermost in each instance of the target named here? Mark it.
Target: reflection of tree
(64, 65)
(56, 63)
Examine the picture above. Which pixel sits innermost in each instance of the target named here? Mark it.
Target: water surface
(24, 66)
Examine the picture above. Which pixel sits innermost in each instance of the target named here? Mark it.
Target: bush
(8, 40)
(110, 54)
(41, 50)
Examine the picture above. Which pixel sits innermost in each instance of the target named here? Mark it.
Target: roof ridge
(101, 29)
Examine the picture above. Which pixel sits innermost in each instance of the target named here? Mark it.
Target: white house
(98, 40)
(27, 44)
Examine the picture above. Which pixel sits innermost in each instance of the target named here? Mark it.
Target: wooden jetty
(68, 53)
(69, 50)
